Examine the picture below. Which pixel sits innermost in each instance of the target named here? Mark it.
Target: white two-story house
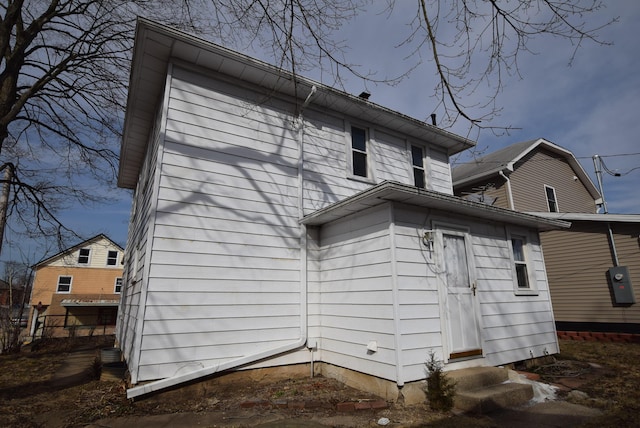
(277, 221)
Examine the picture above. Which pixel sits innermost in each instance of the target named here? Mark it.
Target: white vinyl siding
(515, 327)
(132, 310)
(512, 327)
(225, 252)
(355, 299)
(214, 269)
(439, 172)
(419, 317)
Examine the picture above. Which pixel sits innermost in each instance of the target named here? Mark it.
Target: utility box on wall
(621, 286)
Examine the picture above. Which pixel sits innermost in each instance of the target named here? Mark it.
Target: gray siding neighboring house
(276, 220)
(577, 259)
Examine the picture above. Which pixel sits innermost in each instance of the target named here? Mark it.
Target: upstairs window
(519, 258)
(83, 256)
(118, 287)
(552, 202)
(359, 151)
(417, 160)
(64, 284)
(112, 258)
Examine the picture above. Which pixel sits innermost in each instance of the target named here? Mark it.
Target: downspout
(509, 193)
(396, 298)
(161, 384)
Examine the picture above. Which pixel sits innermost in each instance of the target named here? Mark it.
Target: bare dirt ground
(608, 374)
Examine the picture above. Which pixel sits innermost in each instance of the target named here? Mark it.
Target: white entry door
(463, 334)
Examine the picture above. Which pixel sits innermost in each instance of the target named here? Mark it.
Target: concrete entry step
(504, 395)
(483, 389)
(477, 377)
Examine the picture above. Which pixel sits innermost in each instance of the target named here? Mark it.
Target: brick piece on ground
(254, 403)
(313, 404)
(347, 406)
(299, 405)
(362, 405)
(379, 404)
(282, 404)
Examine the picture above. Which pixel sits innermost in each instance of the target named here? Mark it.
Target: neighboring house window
(112, 258)
(107, 316)
(524, 282)
(552, 202)
(118, 287)
(64, 284)
(417, 160)
(359, 151)
(83, 256)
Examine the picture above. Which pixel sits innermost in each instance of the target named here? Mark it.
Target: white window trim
(117, 258)
(528, 257)
(58, 284)
(88, 258)
(424, 163)
(555, 198)
(370, 178)
(115, 284)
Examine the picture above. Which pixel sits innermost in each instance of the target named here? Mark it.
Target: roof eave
(159, 45)
(402, 193)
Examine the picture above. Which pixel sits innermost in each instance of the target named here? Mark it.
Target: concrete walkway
(76, 369)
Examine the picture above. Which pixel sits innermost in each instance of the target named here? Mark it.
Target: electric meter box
(621, 285)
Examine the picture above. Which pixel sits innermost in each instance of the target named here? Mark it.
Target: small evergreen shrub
(440, 389)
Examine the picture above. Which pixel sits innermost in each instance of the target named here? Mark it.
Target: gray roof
(157, 46)
(411, 195)
(492, 163)
(505, 159)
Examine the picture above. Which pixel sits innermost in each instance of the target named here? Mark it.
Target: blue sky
(591, 107)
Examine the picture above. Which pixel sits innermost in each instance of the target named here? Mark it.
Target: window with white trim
(552, 201)
(112, 258)
(360, 165)
(524, 281)
(64, 284)
(118, 287)
(417, 163)
(83, 256)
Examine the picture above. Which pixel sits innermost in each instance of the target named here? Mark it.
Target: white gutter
(509, 192)
(161, 384)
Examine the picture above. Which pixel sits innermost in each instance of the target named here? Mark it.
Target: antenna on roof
(433, 119)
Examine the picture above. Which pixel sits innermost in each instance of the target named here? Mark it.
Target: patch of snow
(541, 391)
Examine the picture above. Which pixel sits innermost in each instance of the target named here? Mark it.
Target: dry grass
(29, 399)
(617, 390)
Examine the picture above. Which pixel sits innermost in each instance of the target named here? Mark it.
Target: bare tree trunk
(4, 199)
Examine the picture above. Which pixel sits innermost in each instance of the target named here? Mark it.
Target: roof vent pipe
(433, 119)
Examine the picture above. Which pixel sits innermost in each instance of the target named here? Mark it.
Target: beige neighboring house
(77, 291)
(594, 266)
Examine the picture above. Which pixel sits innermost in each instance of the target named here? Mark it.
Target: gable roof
(506, 158)
(157, 46)
(411, 195)
(74, 248)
